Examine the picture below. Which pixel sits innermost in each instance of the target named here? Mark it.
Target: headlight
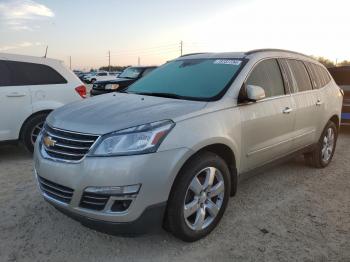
(111, 86)
(136, 140)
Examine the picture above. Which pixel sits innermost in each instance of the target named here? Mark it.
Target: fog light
(114, 190)
(120, 205)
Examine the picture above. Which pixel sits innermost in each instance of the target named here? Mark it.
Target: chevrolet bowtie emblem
(48, 141)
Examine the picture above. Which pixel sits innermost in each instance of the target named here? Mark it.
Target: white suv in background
(100, 76)
(30, 88)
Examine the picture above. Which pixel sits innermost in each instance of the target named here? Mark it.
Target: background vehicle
(341, 76)
(30, 88)
(126, 78)
(172, 148)
(99, 76)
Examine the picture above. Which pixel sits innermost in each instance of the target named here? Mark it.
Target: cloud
(20, 14)
(20, 45)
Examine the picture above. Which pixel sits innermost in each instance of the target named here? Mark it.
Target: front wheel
(324, 151)
(199, 197)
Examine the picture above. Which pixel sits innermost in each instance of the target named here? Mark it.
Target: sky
(152, 30)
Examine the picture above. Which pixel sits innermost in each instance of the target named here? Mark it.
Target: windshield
(194, 79)
(130, 72)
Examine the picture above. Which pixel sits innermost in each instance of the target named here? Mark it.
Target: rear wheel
(324, 151)
(31, 130)
(199, 197)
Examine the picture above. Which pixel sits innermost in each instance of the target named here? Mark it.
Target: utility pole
(181, 46)
(138, 61)
(109, 61)
(70, 62)
(46, 51)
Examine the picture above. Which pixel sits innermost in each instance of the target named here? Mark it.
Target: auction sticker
(227, 62)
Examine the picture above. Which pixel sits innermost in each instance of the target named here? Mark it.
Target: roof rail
(194, 54)
(273, 49)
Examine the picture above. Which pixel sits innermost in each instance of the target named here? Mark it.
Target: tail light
(81, 90)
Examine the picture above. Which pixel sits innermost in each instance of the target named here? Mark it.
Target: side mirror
(255, 93)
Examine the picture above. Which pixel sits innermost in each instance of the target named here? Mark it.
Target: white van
(30, 88)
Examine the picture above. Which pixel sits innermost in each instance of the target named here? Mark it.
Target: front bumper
(154, 172)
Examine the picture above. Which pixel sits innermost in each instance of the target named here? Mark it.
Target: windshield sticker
(227, 62)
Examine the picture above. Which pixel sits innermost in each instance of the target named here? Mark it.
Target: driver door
(267, 125)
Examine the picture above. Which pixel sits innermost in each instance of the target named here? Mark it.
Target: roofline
(274, 50)
(201, 53)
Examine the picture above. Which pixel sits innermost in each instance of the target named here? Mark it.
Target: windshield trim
(222, 92)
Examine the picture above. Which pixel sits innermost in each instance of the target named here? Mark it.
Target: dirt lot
(289, 213)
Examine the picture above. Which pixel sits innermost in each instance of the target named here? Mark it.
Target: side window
(5, 74)
(147, 71)
(102, 74)
(314, 74)
(300, 79)
(23, 73)
(324, 75)
(267, 75)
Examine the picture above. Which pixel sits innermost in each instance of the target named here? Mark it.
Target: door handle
(319, 102)
(15, 94)
(287, 110)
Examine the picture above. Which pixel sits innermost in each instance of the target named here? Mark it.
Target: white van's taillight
(81, 90)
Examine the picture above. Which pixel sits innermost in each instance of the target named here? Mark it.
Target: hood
(115, 81)
(117, 111)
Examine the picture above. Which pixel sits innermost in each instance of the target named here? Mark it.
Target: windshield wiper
(166, 95)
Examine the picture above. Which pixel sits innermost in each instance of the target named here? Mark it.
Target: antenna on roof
(46, 51)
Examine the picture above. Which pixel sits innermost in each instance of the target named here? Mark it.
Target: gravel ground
(288, 213)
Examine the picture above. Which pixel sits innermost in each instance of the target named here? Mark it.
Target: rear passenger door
(307, 103)
(15, 102)
(267, 124)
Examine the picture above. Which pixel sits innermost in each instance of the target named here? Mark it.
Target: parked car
(99, 76)
(126, 78)
(171, 150)
(341, 76)
(30, 88)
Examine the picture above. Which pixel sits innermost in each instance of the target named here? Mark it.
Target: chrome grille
(56, 191)
(66, 145)
(94, 201)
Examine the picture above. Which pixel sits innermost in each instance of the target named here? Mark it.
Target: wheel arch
(335, 119)
(222, 150)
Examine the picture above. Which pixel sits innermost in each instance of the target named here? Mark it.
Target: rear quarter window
(23, 73)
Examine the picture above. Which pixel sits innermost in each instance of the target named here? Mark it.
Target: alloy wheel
(328, 145)
(35, 132)
(204, 198)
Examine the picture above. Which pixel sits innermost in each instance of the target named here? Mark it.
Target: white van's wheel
(31, 130)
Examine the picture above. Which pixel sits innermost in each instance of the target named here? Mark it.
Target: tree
(325, 61)
(113, 68)
(344, 63)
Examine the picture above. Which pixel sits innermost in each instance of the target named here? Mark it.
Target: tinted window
(298, 76)
(5, 75)
(22, 73)
(102, 74)
(195, 79)
(267, 75)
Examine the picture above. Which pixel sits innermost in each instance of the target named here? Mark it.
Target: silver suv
(170, 150)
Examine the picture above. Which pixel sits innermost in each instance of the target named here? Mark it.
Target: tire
(93, 81)
(322, 155)
(199, 167)
(30, 130)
